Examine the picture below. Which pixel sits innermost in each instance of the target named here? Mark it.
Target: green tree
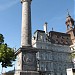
(1, 39)
(73, 52)
(7, 54)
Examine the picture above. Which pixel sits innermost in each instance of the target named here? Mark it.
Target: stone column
(26, 23)
(26, 55)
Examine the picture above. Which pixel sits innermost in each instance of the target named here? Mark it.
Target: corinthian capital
(25, 1)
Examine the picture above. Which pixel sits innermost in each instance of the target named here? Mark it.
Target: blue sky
(52, 11)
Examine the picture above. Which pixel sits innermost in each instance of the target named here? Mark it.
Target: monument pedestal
(26, 61)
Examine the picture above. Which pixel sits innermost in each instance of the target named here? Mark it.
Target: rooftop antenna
(52, 28)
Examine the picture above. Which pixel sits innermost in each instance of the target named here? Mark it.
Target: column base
(26, 73)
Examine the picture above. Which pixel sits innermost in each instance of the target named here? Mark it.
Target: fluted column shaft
(26, 23)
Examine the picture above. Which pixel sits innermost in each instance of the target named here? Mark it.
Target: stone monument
(26, 55)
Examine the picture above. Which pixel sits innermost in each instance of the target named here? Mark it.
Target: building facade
(54, 55)
(53, 58)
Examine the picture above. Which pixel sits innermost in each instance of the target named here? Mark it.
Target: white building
(54, 55)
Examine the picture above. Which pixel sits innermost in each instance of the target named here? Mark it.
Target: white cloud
(7, 4)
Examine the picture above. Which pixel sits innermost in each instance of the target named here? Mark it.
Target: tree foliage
(1, 39)
(7, 54)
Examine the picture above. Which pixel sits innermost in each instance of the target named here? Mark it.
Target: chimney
(45, 27)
